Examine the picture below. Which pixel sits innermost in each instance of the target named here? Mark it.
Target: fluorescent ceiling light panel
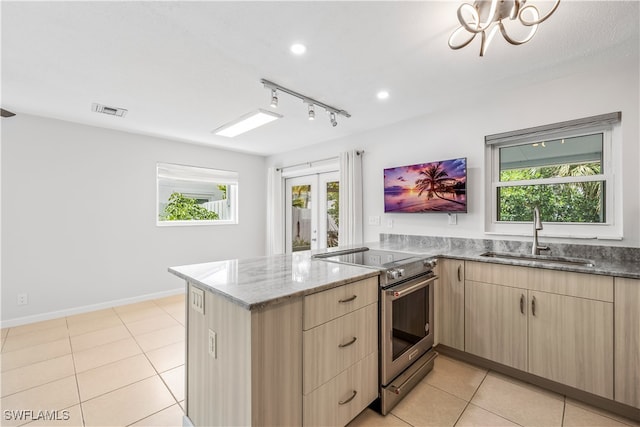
(246, 123)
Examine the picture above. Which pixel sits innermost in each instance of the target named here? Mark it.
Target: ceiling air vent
(112, 111)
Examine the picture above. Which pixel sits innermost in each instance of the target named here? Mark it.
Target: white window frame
(611, 229)
(199, 174)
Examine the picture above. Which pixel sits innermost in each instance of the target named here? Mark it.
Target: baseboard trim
(18, 321)
(574, 393)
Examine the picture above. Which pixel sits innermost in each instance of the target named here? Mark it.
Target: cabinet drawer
(334, 346)
(345, 396)
(583, 285)
(327, 305)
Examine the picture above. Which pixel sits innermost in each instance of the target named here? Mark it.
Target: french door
(311, 210)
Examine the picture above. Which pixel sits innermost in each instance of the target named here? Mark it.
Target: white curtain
(350, 198)
(275, 212)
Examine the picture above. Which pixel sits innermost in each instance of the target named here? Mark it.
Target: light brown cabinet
(554, 324)
(449, 303)
(627, 341)
(249, 367)
(571, 341)
(495, 328)
(340, 353)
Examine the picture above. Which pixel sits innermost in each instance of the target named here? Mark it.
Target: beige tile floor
(125, 367)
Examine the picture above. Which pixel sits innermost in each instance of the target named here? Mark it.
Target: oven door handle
(408, 288)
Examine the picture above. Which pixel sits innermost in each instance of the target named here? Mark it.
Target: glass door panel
(311, 209)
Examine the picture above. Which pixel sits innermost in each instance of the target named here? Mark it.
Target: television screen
(427, 187)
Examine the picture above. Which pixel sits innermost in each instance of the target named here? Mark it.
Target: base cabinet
(571, 341)
(340, 353)
(449, 303)
(495, 327)
(627, 341)
(542, 323)
(249, 367)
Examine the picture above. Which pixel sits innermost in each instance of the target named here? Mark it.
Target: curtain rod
(358, 153)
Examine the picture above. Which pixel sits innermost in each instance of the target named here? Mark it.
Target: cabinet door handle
(354, 339)
(522, 303)
(459, 275)
(348, 299)
(533, 305)
(344, 402)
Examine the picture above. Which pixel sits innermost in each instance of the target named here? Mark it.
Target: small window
(189, 195)
(566, 170)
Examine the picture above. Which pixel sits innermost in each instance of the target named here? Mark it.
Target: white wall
(79, 216)
(460, 132)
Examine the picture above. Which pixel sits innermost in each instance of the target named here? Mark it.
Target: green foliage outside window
(580, 202)
(182, 208)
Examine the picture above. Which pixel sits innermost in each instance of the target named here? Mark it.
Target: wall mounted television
(427, 187)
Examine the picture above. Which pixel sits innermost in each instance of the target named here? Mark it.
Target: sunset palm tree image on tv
(427, 187)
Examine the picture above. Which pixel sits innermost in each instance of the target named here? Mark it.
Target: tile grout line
(75, 376)
(152, 365)
(564, 409)
(485, 409)
(471, 398)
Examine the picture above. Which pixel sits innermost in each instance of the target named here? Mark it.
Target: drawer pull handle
(354, 339)
(348, 299)
(522, 303)
(459, 275)
(344, 402)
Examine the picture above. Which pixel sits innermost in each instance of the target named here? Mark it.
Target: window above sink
(566, 170)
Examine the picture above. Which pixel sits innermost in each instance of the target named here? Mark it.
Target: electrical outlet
(23, 299)
(213, 344)
(453, 219)
(389, 223)
(374, 220)
(197, 299)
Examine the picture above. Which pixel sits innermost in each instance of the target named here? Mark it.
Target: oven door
(406, 325)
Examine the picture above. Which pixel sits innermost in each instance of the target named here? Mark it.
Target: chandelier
(485, 17)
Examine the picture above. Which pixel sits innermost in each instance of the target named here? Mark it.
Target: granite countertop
(606, 260)
(257, 282)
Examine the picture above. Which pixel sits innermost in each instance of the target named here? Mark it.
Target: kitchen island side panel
(252, 373)
(219, 381)
(276, 364)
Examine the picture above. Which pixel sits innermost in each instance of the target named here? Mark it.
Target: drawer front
(583, 285)
(327, 305)
(340, 400)
(334, 346)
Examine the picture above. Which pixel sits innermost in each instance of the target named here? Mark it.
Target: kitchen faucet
(537, 225)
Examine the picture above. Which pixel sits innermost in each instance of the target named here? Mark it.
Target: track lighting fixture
(312, 103)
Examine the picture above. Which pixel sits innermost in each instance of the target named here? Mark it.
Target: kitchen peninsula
(248, 320)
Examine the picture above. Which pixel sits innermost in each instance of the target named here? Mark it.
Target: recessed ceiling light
(383, 94)
(246, 123)
(298, 48)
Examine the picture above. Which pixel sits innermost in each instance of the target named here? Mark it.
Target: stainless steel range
(406, 317)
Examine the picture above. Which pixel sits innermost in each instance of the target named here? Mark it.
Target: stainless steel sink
(542, 258)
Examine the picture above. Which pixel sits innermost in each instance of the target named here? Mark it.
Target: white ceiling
(183, 69)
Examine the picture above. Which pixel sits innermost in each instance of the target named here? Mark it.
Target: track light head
(312, 112)
(332, 118)
(274, 98)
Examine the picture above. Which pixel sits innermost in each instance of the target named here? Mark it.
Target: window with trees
(188, 195)
(566, 170)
